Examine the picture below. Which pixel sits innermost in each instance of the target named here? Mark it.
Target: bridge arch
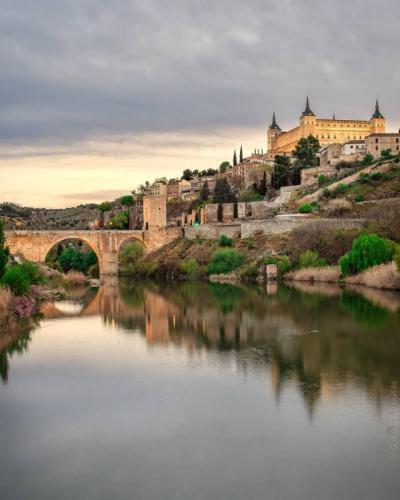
(87, 242)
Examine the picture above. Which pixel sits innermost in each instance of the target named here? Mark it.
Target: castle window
(376, 141)
(376, 148)
(397, 140)
(322, 136)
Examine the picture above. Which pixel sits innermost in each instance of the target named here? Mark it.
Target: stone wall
(268, 226)
(211, 213)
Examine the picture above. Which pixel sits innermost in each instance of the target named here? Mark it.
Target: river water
(204, 391)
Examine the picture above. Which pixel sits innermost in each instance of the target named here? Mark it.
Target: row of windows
(377, 140)
(334, 137)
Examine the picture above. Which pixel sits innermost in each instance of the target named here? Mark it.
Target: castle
(327, 131)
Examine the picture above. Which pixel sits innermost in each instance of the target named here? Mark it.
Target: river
(204, 391)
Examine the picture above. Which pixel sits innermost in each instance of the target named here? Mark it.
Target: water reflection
(321, 338)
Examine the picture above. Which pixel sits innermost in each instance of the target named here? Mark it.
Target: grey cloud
(73, 69)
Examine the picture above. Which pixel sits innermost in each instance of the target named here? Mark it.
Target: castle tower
(273, 131)
(308, 121)
(377, 121)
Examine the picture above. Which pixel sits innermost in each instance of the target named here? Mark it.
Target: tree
(127, 200)
(120, 220)
(241, 155)
(234, 158)
(223, 167)
(187, 174)
(367, 250)
(105, 206)
(386, 154)
(261, 187)
(282, 172)
(305, 153)
(368, 159)
(223, 192)
(4, 251)
(205, 192)
(144, 187)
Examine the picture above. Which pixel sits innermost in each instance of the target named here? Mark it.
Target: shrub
(75, 278)
(338, 207)
(249, 243)
(306, 208)
(359, 198)
(33, 271)
(23, 307)
(339, 189)
(282, 261)
(129, 255)
(311, 259)
(368, 159)
(17, 280)
(224, 241)
(189, 267)
(367, 250)
(225, 261)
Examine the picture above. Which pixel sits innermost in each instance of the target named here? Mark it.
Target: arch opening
(130, 251)
(74, 254)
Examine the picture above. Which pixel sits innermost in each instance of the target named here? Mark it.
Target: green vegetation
(367, 250)
(129, 255)
(73, 258)
(106, 206)
(190, 268)
(311, 259)
(223, 192)
(4, 252)
(16, 279)
(224, 241)
(127, 200)
(225, 261)
(306, 208)
(120, 220)
(33, 271)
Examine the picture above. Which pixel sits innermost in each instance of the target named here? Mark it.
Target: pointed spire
(377, 113)
(274, 125)
(307, 111)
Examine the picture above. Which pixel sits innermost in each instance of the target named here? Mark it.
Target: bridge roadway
(35, 245)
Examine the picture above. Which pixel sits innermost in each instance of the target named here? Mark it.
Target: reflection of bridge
(35, 245)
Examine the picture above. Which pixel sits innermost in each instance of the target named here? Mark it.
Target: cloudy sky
(97, 96)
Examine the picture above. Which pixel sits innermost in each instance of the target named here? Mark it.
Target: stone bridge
(35, 245)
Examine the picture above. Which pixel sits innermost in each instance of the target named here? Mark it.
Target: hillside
(16, 217)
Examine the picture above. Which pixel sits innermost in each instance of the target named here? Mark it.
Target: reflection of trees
(16, 346)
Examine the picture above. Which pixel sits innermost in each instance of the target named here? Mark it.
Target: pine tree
(241, 155)
(262, 187)
(4, 252)
(223, 192)
(234, 159)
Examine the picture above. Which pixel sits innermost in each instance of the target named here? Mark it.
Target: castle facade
(327, 131)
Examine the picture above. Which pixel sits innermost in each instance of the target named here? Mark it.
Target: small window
(376, 148)
(376, 141)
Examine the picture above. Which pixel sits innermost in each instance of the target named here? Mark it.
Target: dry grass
(384, 276)
(75, 278)
(327, 274)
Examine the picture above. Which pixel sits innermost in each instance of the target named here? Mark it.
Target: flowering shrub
(22, 306)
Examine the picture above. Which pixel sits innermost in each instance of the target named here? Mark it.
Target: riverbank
(314, 254)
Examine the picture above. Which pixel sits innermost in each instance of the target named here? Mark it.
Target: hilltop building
(327, 131)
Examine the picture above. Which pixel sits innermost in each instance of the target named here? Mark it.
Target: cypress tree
(205, 192)
(234, 158)
(241, 155)
(4, 252)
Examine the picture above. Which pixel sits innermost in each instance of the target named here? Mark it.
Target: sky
(97, 96)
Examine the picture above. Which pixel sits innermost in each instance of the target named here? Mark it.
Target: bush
(129, 255)
(17, 280)
(339, 189)
(224, 241)
(190, 268)
(282, 261)
(225, 261)
(368, 159)
(75, 278)
(33, 271)
(311, 259)
(306, 208)
(367, 250)
(359, 198)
